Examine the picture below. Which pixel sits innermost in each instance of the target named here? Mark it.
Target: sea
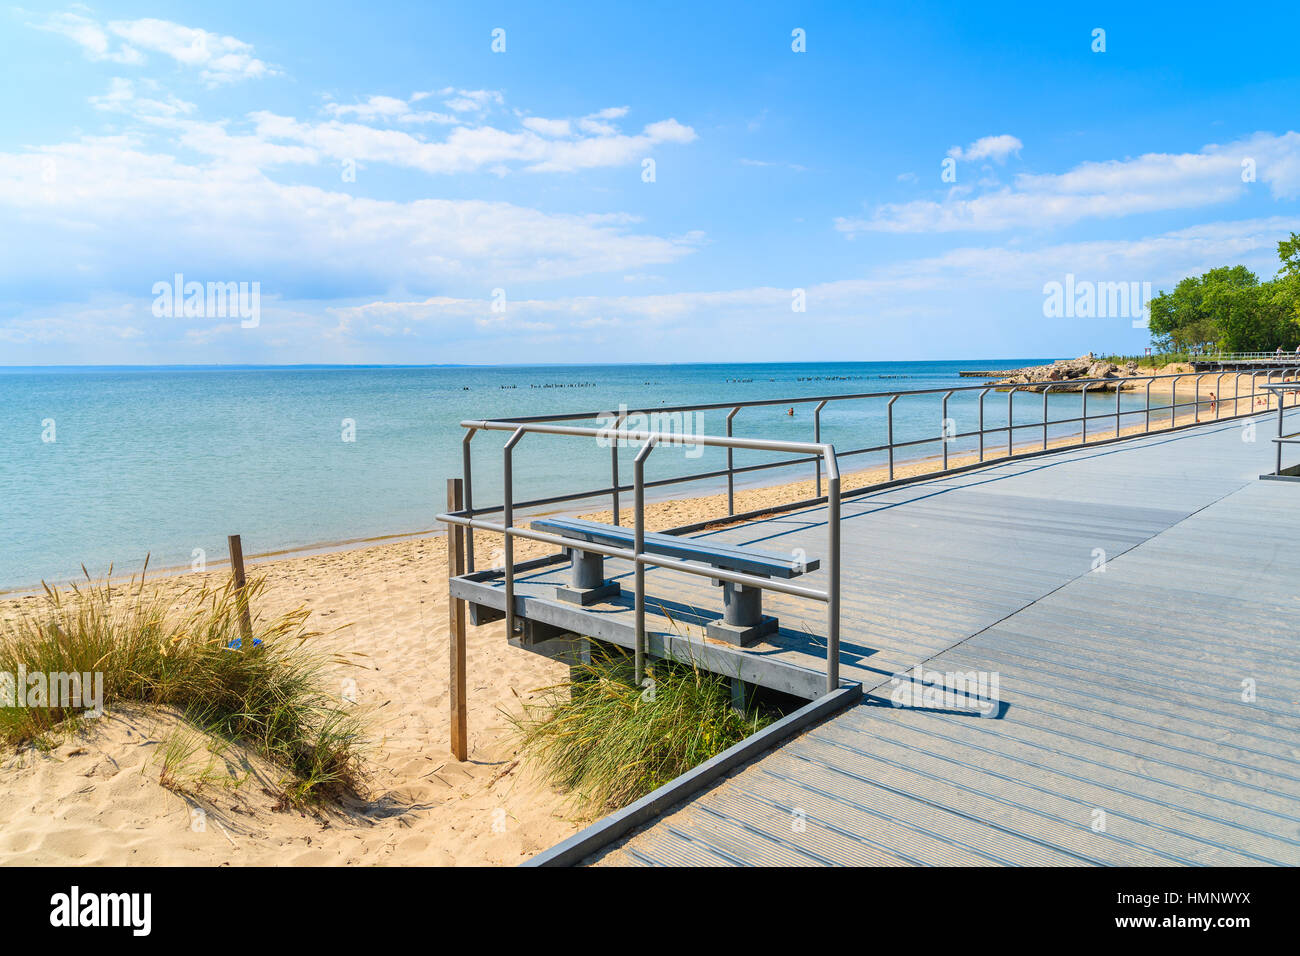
(101, 467)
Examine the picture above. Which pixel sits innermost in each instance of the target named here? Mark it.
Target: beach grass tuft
(186, 653)
(607, 742)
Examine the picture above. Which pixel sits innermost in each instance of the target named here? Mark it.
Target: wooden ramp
(1147, 713)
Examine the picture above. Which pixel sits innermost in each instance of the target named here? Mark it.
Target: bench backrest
(729, 557)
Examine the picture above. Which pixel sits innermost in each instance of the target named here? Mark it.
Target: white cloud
(996, 148)
(463, 101)
(1102, 190)
(387, 109)
(469, 148)
(89, 35)
(219, 59)
(767, 162)
(121, 98)
(551, 128)
(124, 214)
(376, 107)
(917, 285)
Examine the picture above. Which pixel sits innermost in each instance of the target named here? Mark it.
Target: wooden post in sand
(241, 594)
(456, 622)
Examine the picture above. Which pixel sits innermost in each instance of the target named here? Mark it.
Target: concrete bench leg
(743, 621)
(587, 584)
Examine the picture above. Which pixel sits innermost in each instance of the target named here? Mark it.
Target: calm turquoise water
(163, 461)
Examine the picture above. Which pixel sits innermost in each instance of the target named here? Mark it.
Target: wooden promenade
(1137, 604)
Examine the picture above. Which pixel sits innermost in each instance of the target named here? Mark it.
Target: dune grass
(186, 653)
(607, 742)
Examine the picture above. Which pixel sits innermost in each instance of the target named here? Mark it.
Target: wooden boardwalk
(1148, 713)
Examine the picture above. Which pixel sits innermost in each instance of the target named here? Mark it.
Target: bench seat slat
(731, 557)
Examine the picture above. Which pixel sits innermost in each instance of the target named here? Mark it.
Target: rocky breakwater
(1067, 375)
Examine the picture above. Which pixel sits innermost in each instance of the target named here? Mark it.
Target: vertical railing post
(1281, 404)
(943, 428)
(1148, 404)
(981, 405)
(833, 571)
(889, 433)
(1083, 418)
(456, 623)
(1011, 421)
(1046, 389)
(1173, 401)
(466, 464)
(638, 546)
(1236, 393)
(817, 437)
(508, 480)
(1217, 401)
(1196, 399)
(731, 466)
(613, 464)
(1119, 391)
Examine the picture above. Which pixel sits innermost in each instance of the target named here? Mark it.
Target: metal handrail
(890, 447)
(824, 453)
(1245, 356)
(1283, 437)
(819, 454)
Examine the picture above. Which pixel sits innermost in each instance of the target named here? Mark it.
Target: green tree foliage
(1230, 309)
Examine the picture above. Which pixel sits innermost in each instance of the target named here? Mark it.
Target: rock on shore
(1066, 370)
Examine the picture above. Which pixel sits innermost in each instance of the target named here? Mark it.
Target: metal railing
(940, 442)
(1283, 438)
(1274, 356)
(816, 453)
(824, 453)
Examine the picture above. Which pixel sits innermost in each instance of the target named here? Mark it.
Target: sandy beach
(96, 798)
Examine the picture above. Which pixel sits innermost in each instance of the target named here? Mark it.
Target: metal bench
(743, 621)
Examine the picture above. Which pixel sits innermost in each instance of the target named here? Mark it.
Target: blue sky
(147, 139)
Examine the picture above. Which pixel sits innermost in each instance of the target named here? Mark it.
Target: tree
(1190, 314)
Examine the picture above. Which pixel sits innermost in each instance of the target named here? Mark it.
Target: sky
(489, 183)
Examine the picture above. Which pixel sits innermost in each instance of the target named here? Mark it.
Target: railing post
(613, 464)
(466, 464)
(1173, 401)
(943, 428)
(456, 623)
(1217, 401)
(1119, 391)
(1046, 389)
(981, 405)
(731, 473)
(1148, 411)
(889, 436)
(638, 546)
(1083, 419)
(1281, 404)
(1011, 421)
(817, 437)
(833, 572)
(1196, 399)
(508, 514)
